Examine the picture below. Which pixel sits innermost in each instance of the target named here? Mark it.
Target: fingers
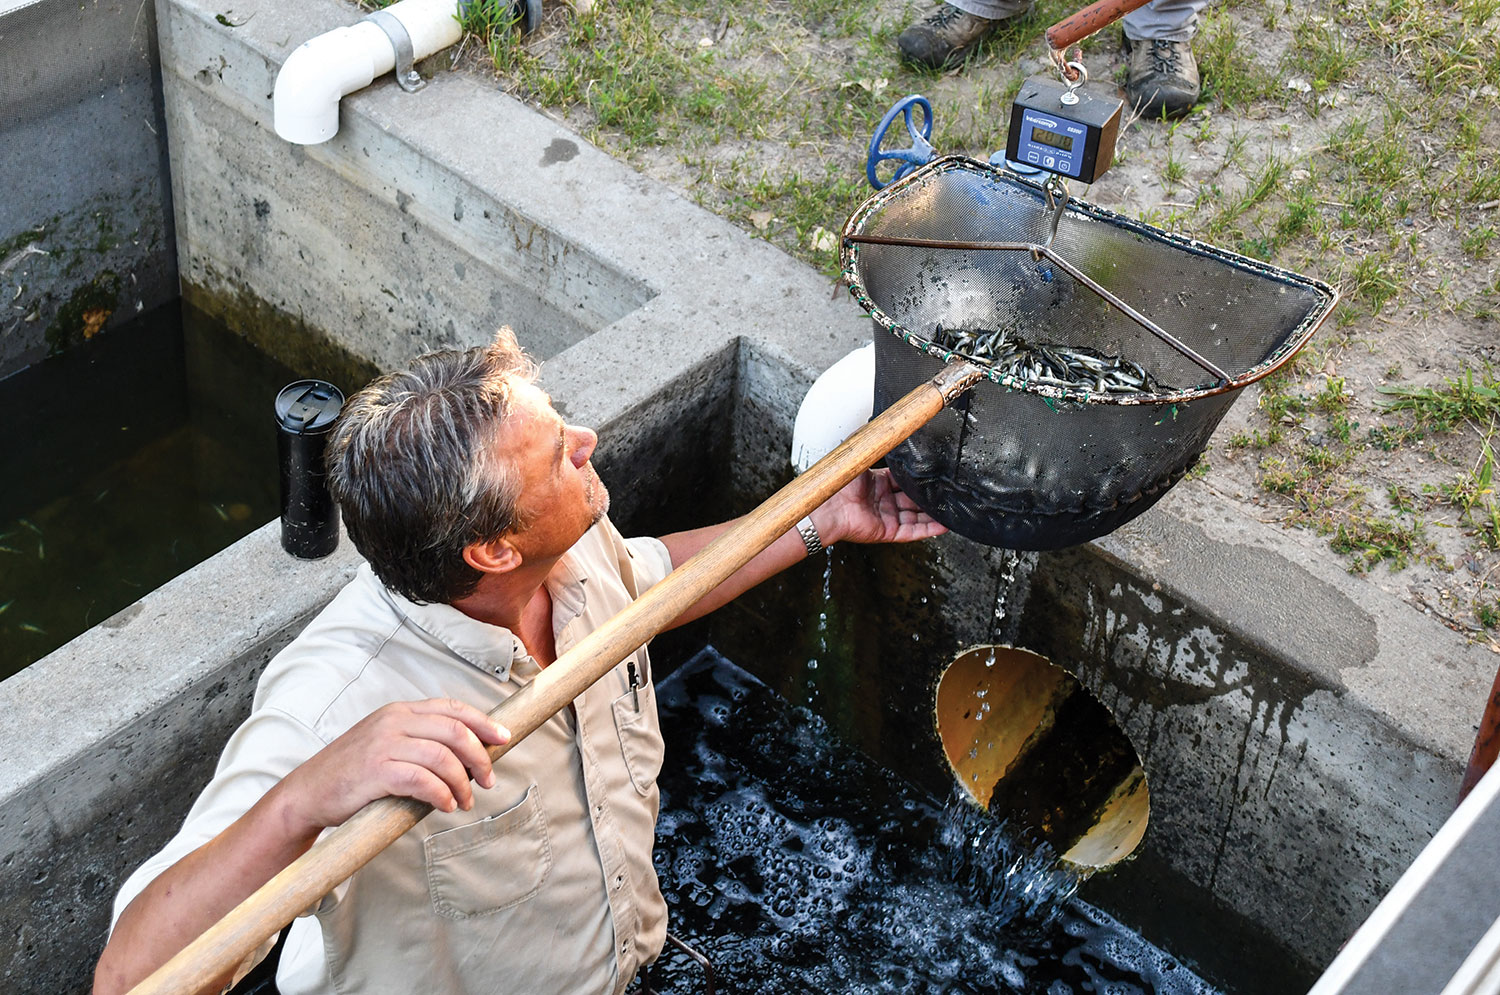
(428, 771)
(486, 728)
(425, 750)
(434, 737)
(416, 781)
(925, 528)
(428, 750)
(900, 518)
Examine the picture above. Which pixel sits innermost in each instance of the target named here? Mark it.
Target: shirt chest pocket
(640, 737)
(490, 865)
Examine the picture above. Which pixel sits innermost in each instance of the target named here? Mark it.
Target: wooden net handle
(1076, 27)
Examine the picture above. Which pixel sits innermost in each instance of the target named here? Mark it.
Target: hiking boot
(943, 38)
(1163, 77)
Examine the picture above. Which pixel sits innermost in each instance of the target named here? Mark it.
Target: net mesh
(1026, 466)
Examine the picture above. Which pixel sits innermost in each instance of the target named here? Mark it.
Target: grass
(1371, 540)
(1312, 472)
(1232, 76)
(1324, 56)
(1460, 399)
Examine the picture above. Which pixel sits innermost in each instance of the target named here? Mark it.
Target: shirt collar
(494, 649)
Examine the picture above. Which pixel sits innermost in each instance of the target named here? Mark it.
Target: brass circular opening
(1034, 747)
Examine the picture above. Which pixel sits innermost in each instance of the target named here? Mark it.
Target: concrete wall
(1302, 730)
(85, 220)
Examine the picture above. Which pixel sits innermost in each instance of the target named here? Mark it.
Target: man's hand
(425, 750)
(421, 749)
(871, 508)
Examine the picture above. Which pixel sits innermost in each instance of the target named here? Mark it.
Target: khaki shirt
(547, 885)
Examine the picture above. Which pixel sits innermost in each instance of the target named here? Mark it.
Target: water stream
(1013, 585)
(798, 865)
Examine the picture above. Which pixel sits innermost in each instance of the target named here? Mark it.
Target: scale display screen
(1051, 138)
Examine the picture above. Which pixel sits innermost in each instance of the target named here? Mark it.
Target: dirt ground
(1351, 141)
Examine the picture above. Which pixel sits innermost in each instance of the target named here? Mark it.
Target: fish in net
(1049, 364)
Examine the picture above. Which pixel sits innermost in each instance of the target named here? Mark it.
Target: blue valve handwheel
(919, 154)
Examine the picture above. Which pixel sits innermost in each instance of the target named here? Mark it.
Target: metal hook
(1056, 189)
(1071, 69)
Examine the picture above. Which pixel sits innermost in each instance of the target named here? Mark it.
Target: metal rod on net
(1183, 348)
(370, 830)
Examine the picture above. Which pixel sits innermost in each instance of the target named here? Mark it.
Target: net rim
(1291, 344)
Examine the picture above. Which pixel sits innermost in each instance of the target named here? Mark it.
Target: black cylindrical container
(305, 413)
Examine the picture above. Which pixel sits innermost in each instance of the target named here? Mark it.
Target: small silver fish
(1048, 363)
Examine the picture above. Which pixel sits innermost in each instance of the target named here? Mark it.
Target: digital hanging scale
(1062, 129)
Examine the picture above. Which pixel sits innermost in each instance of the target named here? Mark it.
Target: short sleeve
(261, 752)
(650, 560)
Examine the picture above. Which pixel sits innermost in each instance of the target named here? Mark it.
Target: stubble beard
(597, 496)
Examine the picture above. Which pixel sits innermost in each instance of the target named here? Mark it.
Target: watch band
(810, 537)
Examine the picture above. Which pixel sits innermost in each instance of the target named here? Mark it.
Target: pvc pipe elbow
(315, 77)
(838, 403)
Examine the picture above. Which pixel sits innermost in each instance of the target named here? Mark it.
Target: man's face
(561, 495)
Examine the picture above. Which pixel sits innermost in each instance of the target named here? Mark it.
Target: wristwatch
(810, 537)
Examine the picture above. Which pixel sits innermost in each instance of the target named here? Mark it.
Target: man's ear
(495, 557)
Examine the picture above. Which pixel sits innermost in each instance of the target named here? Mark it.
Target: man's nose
(583, 442)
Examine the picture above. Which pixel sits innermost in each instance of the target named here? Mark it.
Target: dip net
(1111, 350)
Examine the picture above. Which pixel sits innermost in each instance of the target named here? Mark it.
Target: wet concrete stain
(123, 617)
(1231, 732)
(561, 150)
(1291, 605)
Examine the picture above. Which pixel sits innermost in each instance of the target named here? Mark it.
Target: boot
(946, 36)
(1163, 77)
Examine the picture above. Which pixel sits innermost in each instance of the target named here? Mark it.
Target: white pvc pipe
(320, 71)
(1479, 974)
(1360, 947)
(838, 402)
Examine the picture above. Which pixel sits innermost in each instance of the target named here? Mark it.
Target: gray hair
(413, 466)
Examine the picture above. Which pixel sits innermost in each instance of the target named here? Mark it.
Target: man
(489, 554)
(1162, 79)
